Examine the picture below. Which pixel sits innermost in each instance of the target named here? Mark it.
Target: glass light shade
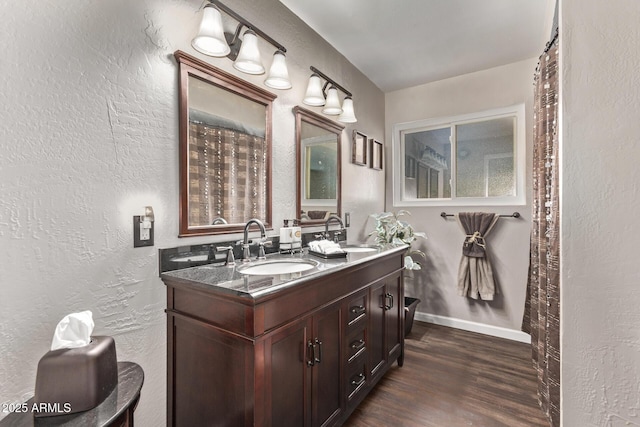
(148, 213)
(332, 107)
(314, 95)
(248, 60)
(278, 73)
(210, 38)
(348, 115)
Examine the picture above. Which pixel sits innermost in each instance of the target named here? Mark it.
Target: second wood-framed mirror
(318, 167)
(225, 150)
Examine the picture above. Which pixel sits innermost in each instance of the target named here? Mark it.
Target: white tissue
(73, 331)
(325, 247)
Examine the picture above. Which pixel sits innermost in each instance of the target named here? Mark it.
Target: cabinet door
(205, 388)
(376, 342)
(288, 376)
(393, 315)
(327, 369)
(386, 308)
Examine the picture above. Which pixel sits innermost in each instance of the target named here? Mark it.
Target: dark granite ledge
(228, 280)
(125, 394)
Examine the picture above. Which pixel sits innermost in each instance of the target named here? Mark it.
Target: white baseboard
(466, 325)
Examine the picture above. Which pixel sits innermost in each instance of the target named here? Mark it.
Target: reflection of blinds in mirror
(227, 175)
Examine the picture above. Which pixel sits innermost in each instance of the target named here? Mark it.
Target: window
(475, 159)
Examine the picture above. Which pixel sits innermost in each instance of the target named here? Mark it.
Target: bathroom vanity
(291, 349)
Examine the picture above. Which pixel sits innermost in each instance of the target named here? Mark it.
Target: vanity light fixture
(248, 59)
(315, 97)
(244, 51)
(332, 106)
(210, 39)
(348, 115)
(278, 73)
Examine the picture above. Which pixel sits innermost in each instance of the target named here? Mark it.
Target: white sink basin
(359, 249)
(276, 267)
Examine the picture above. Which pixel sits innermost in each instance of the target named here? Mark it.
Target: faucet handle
(230, 262)
(261, 245)
(321, 236)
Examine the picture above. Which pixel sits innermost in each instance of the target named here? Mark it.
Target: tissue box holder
(328, 256)
(79, 377)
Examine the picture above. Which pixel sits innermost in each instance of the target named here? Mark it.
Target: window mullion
(454, 160)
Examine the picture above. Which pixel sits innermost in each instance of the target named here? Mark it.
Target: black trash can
(410, 305)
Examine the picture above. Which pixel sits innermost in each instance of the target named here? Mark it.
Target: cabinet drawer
(357, 309)
(356, 380)
(356, 344)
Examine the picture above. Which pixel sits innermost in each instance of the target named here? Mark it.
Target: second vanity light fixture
(213, 41)
(315, 97)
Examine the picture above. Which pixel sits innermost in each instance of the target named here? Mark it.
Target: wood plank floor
(454, 378)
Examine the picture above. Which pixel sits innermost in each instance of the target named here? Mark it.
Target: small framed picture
(359, 148)
(377, 148)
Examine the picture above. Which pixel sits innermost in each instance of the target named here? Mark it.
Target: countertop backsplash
(180, 257)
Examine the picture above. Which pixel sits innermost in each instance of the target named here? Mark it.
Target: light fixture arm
(236, 35)
(324, 76)
(247, 24)
(324, 88)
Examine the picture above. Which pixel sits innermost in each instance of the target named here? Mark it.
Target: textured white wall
(600, 197)
(509, 241)
(89, 135)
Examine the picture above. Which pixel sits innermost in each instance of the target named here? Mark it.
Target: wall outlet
(142, 232)
(347, 219)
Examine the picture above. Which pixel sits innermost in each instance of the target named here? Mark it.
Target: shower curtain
(542, 310)
(227, 173)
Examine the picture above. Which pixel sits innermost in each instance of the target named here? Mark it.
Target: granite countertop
(229, 280)
(125, 394)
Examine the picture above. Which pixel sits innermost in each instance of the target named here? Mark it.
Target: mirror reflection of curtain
(226, 172)
(542, 309)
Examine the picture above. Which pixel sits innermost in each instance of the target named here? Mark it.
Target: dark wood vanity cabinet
(305, 355)
(385, 336)
(303, 365)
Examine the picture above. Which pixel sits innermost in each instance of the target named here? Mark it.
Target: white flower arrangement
(390, 230)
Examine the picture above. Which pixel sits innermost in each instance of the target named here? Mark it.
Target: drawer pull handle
(357, 345)
(357, 309)
(357, 380)
(388, 301)
(319, 358)
(311, 353)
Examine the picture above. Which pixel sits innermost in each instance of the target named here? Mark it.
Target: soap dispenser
(290, 238)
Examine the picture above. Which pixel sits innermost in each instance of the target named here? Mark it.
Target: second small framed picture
(377, 149)
(359, 148)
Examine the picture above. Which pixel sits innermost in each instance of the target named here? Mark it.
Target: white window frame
(519, 153)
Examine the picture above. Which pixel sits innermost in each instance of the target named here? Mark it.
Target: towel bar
(513, 215)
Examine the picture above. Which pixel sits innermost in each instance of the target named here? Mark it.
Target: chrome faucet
(326, 227)
(246, 253)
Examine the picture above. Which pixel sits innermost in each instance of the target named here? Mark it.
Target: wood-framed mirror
(225, 150)
(318, 167)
